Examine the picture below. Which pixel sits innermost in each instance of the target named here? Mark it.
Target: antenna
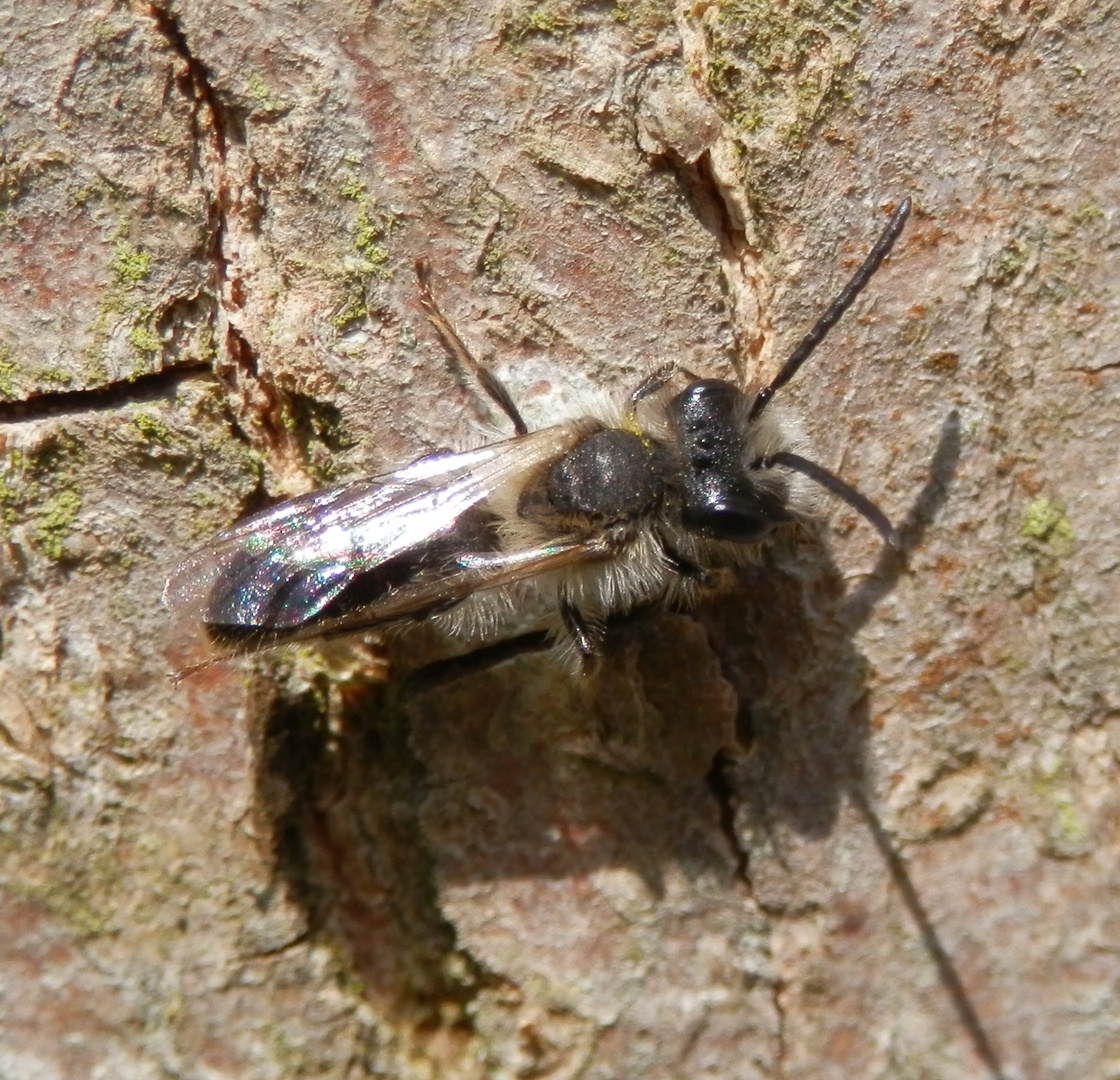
(859, 502)
(837, 308)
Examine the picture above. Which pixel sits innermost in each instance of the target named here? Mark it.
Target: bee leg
(586, 637)
(681, 564)
(440, 672)
(460, 353)
(653, 383)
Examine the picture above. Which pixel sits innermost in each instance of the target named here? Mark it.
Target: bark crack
(1086, 370)
(149, 387)
(198, 82)
(720, 214)
(222, 129)
(723, 789)
(230, 179)
(778, 989)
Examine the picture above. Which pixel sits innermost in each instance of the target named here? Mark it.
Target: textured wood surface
(857, 819)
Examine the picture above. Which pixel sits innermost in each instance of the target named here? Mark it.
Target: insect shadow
(721, 745)
(713, 743)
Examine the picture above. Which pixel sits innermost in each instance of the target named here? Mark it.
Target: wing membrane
(459, 578)
(282, 568)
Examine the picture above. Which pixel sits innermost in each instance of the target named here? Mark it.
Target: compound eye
(722, 521)
(739, 511)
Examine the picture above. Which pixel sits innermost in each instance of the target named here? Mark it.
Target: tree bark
(857, 817)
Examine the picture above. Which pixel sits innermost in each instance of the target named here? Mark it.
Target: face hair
(644, 499)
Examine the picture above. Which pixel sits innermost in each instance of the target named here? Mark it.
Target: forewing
(279, 569)
(469, 573)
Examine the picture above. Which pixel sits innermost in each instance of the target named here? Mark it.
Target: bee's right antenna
(831, 482)
(837, 308)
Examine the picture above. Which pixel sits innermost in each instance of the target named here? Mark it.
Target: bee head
(719, 496)
(727, 495)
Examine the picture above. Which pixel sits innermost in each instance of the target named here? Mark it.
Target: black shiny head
(718, 497)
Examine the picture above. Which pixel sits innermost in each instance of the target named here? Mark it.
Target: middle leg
(587, 637)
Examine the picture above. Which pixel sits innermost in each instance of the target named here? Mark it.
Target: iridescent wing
(373, 550)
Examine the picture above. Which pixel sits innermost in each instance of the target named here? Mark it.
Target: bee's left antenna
(837, 308)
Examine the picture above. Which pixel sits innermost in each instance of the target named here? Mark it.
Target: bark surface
(857, 818)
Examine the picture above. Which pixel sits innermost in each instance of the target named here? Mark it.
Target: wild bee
(651, 497)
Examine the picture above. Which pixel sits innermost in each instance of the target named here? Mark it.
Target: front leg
(683, 566)
(587, 637)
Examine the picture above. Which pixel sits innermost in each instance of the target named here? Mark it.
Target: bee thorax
(610, 476)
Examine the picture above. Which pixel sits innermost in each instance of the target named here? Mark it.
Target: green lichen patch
(11, 500)
(371, 229)
(209, 471)
(55, 521)
(123, 301)
(129, 265)
(147, 439)
(18, 379)
(8, 371)
(771, 40)
(142, 338)
(320, 430)
(1069, 826)
(39, 495)
(68, 898)
(1088, 213)
(550, 19)
(11, 182)
(1007, 264)
(71, 872)
(492, 261)
(264, 100)
(151, 427)
(21, 166)
(128, 268)
(46, 376)
(548, 22)
(1046, 522)
(97, 193)
(351, 308)
(368, 254)
(1066, 830)
(352, 187)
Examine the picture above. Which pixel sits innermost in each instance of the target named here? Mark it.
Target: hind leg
(460, 353)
